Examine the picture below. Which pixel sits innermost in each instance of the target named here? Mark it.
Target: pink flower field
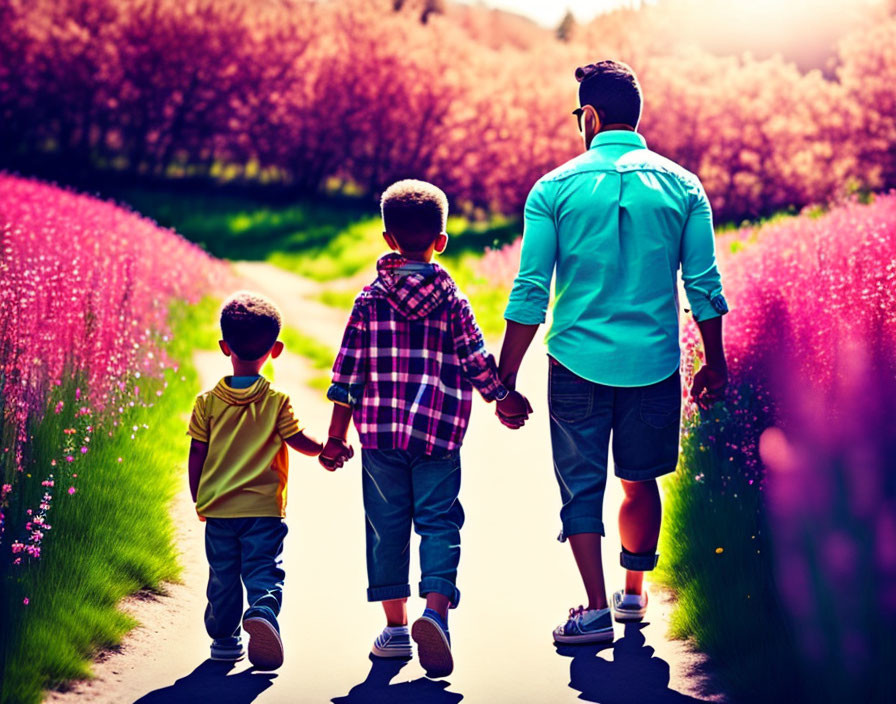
(85, 289)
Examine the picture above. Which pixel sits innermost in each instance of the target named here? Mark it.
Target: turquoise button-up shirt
(616, 223)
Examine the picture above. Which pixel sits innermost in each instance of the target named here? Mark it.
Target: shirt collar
(631, 139)
(241, 397)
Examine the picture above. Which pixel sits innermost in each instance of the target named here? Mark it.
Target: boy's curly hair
(250, 324)
(414, 213)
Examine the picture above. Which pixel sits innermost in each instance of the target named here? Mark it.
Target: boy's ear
(276, 349)
(390, 240)
(441, 242)
(225, 348)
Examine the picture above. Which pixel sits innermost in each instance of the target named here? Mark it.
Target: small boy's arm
(337, 450)
(305, 444)
(293, 435)
(347, 389)
(198, 453)
(198, 430)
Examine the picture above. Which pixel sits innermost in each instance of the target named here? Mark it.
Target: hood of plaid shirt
(414, 289)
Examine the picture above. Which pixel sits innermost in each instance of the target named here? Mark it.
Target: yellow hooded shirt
(246, 469)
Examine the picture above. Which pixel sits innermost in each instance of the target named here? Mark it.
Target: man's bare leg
(396, 612)
(586, 549)
(639, 525)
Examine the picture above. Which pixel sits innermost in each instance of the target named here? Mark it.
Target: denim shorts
(401, 490)
(644, 422)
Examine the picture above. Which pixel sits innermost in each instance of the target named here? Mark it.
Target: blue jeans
(644, 422)
(248, 549)
(401, 489)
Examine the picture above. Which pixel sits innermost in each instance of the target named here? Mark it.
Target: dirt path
(517, 580)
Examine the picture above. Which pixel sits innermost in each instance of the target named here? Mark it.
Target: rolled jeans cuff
(440, 586)
(638, 561)
(393, 591)
(581, 524)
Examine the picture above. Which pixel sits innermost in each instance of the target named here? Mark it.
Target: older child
(238, 471)
(410, 356)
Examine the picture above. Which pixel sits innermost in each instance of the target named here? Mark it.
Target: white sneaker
(629, 607)
(393, 642)
(585, 626)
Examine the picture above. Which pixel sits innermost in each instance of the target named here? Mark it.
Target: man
(616, 223)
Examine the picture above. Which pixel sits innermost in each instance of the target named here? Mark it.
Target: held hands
(513, 410)
(709, 386)
(335, 454)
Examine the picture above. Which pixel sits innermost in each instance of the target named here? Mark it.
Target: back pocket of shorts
(661, 403)
(569, 395)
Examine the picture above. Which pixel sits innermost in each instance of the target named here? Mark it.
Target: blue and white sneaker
(585, 626)
(430, 633)
(227, 649)
(265, 646)
(393, 642)
(629, 607)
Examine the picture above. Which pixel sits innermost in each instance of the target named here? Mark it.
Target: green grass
(488, 301)
(342, 298)
(346, 253)
(717, 559)
(246, 228)
(111, 538)
(330, 238)
(359, 244)
(319, 354)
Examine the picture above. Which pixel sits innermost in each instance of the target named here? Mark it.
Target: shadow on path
(210, 683)
(633, 674)
(377, 690)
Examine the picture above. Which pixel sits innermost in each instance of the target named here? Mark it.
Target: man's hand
(709, 386)
(712, 379)
(513, 410)
(335, 454)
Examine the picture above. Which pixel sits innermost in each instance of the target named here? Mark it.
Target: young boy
(238, 470)
(410, 356)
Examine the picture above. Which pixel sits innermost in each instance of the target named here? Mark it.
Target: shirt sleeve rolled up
(699, 272)
(531, 291)
(350, 367)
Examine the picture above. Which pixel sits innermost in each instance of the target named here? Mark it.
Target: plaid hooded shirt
(410, 357)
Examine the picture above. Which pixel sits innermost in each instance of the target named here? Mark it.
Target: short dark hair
(611, 88)
(414, 213)
(250, 324)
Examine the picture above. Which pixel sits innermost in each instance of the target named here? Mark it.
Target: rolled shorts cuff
(442, 586)
(643, 475)
(393, 591)
(638, 562)
(583, 524)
